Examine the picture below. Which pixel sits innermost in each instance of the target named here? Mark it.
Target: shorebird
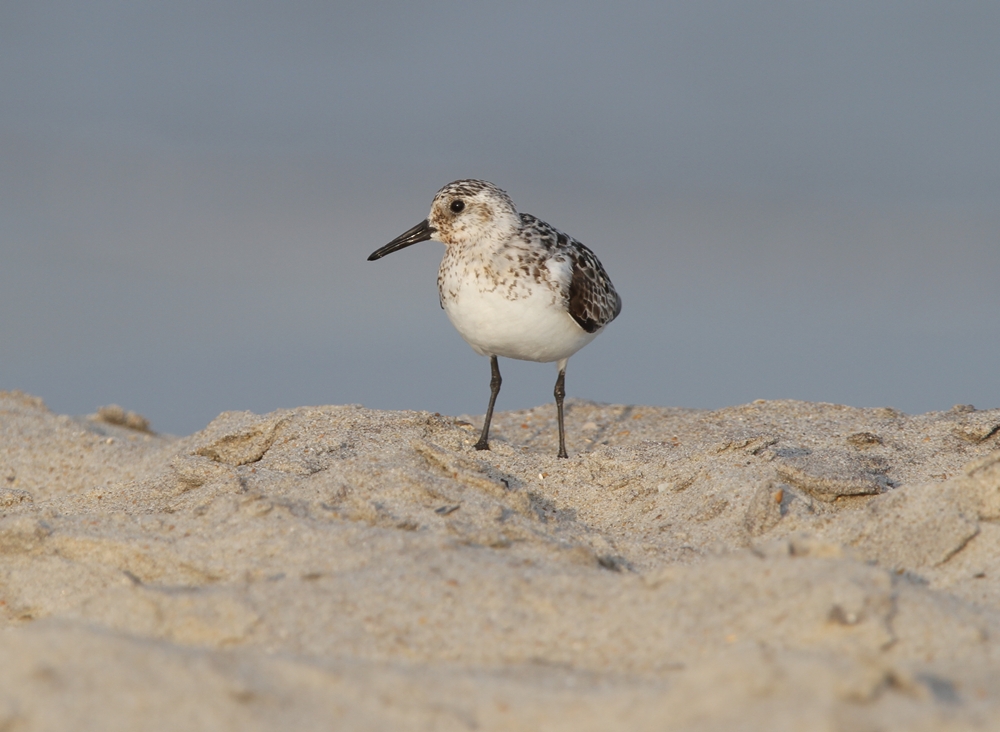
(512, 285)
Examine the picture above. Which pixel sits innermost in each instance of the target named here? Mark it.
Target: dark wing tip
(592, 301)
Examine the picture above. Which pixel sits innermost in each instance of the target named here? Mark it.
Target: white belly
(531, 327)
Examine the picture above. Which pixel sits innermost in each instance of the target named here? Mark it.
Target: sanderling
(512, 285)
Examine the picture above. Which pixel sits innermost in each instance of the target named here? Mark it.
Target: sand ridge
(777, 565)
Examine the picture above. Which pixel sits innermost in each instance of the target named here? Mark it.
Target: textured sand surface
(774, 566)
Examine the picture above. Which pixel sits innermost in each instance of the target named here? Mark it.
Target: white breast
(508, 314)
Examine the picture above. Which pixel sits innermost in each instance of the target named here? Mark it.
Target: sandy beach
(776, 566)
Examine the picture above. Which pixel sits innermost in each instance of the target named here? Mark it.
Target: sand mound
(779, 565)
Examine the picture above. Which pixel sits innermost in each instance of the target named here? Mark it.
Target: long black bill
(421, 232)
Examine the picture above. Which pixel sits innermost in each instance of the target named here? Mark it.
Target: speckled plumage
(511, 284)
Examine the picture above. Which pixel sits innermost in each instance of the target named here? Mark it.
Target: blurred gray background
(796, 200)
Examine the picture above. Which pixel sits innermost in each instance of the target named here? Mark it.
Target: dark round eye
(457, 206)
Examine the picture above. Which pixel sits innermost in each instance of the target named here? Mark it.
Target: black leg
(495, 381)
(560, 393)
